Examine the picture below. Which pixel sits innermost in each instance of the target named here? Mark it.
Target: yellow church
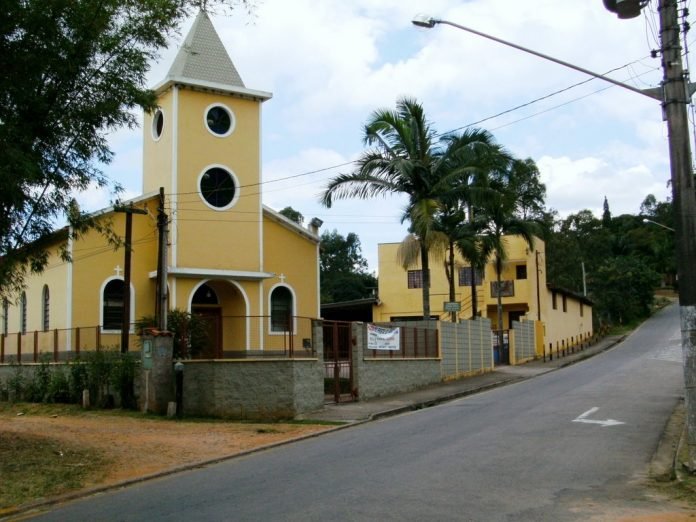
(253, 273)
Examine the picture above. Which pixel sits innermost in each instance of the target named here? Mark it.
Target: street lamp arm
(432, 22)
(646, 220)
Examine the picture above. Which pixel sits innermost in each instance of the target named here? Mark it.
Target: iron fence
(415, 342)
(222, 337)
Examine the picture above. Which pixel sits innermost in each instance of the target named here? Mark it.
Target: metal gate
(339, 385)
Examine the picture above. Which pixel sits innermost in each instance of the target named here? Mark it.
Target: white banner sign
(379, 338)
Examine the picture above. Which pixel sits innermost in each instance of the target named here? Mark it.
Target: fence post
(77, 341)
(97, 337)
(2, 348)
(19, 347)
(36, 346)
(55, 345)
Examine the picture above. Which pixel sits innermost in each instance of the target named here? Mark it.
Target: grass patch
(34, 467)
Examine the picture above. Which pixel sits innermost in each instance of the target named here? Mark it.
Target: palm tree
(470, 157)
(403, 158)
(498, 218)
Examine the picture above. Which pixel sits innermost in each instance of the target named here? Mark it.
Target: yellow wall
(95, 261)
(158, 153)
(398, 300)
(55, 277)
(195, 222)
(295, 257)
(566, 327)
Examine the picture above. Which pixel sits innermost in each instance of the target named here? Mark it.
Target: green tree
(498, 218)
(292, 215)
(623, 289)
(469, 157)
(606, 214)
(344, 270)
(72, 72)
(403, 158)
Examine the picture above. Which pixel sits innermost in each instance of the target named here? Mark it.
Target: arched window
(112, 304)
(23, 313)
(5, 316)
(204, 296)
(281, 309)
(45, 309)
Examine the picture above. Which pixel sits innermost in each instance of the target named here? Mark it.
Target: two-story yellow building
(525, 295)
(228, 256)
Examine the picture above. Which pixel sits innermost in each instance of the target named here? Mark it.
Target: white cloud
(330, 64)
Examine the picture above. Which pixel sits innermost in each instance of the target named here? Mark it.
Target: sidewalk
(394, 404)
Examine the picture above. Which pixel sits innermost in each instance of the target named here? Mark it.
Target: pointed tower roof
(202, 61)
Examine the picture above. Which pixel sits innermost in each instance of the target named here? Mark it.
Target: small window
(554, 301)
(521, 272)
(582, 309)
(113, 304)
(157, 124)
(415, 279)
(23, 313)
(45, 309)
(218, 188)
(465, 276)
(281, 310)
(219, 120)
(5, 316)
(565, 303)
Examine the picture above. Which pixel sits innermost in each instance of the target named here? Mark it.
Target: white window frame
(101, 307)
(270, 309)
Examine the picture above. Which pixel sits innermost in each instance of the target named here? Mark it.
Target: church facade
(253, 273)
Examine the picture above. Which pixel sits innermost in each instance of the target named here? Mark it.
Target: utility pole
(161, 304)
(676, 97)
(125, 322)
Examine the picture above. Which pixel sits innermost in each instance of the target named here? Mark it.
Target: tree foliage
(622, 257)
(344, 273)
(73, 71)
(292, 215)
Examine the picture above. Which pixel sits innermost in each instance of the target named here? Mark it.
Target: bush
(190, 332)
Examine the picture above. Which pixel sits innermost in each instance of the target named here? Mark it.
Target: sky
(331, 63)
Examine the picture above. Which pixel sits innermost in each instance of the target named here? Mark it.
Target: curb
(439, 400)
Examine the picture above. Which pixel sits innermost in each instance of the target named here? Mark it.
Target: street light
(674, 94)
(429, 22)
(646, 220)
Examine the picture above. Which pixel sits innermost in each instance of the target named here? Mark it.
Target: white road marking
(604, 423)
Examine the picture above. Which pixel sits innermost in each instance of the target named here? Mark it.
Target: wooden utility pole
(676, 97)
(125, 322)
(161, 307)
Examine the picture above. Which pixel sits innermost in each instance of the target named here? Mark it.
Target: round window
(157, 124)
(219, 120)
(217, 187)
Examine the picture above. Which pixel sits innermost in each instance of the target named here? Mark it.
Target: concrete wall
(252, 389)
(376, 377)
(241, 389)
(466, 348)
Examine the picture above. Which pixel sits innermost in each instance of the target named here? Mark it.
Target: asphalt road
(533, 451)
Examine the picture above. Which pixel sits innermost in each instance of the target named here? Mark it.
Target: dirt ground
(138, 447)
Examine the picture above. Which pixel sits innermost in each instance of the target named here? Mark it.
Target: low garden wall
(253, 389)
(376, 376)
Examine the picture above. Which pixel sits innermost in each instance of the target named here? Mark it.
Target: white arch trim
(242, 293)
(270, 308)
(131, 319)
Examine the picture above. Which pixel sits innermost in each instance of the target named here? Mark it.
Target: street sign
(452, 306)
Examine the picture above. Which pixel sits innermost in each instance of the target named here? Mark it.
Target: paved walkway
(446, 391)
